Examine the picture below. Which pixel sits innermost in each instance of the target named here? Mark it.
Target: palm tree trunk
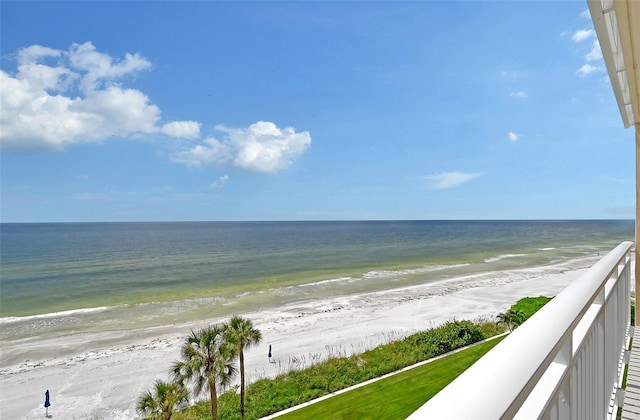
(241, 384)
(214, 400)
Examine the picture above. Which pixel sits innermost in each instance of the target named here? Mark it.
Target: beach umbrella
(47, 403)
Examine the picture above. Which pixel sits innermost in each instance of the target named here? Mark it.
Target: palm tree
(511, 319)
(206, 363)
(241, 335)
(159, 403)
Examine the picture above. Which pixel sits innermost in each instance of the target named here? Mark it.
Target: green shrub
(490, 328)
(268, 396)
(530, 305)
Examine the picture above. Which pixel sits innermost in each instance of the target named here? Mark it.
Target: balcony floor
(631, 406)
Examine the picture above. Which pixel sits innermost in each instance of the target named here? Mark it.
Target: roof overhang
(617, 24)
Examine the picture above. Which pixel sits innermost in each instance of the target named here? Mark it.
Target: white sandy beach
(101, 375)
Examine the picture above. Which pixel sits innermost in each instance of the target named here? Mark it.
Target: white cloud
(513, 136)
(595, 53)
(449, 179)
(582, 34)
(33, 53)
(58, 98)
(211, 152)
(182, 129)
(585, 14)
(219, 183)
(588, 69)
(261, 147)
(99, 68)
(510, 75)
(519, 95)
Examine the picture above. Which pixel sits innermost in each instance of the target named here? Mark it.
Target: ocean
(64, 278)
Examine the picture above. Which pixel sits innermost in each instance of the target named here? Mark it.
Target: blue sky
(163, 111)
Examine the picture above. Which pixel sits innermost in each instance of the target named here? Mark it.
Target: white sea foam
(375, 274)
(329, 281)
(502, 257)
(546, 249)
(13, 319)
(201, 300)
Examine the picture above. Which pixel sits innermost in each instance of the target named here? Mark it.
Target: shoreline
(102, 374)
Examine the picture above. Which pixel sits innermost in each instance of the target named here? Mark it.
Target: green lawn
(398, 396)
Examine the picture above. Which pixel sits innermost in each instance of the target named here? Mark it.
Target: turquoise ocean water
(71, 277)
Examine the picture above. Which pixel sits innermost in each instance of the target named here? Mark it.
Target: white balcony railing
(565, 362)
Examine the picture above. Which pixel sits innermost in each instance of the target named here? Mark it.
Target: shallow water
(62, 278)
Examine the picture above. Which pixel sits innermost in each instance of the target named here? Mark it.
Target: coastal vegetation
(530, 305)
(241, 335)
(521, 311)
(159, 403)
(397, 396)
(206, 362)
(208, 356)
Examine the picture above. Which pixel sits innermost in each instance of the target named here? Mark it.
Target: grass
(530, 305)
(398, 396)
(268, 396)
(305, 383)
(395, 397)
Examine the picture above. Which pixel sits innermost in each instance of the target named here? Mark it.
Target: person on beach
(269, 353)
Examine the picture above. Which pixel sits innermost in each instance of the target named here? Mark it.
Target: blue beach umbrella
(47, 403)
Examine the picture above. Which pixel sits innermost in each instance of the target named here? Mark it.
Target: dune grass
(397, 396)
